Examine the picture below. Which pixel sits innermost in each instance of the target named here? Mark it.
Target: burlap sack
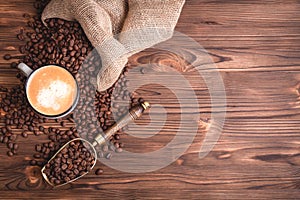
(147, 22)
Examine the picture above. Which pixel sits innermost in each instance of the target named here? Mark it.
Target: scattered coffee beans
(17, 115)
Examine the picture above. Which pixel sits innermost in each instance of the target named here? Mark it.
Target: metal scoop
(100, 139)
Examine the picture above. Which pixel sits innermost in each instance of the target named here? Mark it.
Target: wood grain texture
(256, 47)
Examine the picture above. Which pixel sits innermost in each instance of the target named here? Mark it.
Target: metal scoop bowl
(56, 183)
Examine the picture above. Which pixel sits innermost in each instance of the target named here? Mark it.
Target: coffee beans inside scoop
(71, 162)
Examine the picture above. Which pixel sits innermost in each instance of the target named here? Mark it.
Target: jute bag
(118, 28)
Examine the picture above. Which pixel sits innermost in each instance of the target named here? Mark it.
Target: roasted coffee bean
(20, 36)
(99, 171)
(4, 130)
(100, 154)
(119, 150)
(24, 134)
(71, 119)
(21, 121)
(33, 162)
(5, 108)
(46, 131)
(22, 49)
(7, 57)
(105, 148)
(63, 123)
(10, 153)
(15, 146)
(38, 148)
(41, 128)
(13, 65)
(116, 145)
(40, 163)
(51, 144)
(12, 137)
(111, 147)
(108, 156)
(142, 70)
(117, 136)
(5, 139)
(26, 15)
(30, 128)
(141, 100)
(37, 133)
(58, 120)
(25, 126)
(8, 128)
(10, 145)
(37, 155)
(64, 166)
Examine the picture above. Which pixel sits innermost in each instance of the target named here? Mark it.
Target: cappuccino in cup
(52, 91)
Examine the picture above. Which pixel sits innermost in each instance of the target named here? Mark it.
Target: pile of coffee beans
(72, 161)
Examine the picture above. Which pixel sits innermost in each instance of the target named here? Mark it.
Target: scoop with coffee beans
(78, 156)
(71, 162)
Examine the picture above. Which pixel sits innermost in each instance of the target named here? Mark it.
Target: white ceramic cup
(52, 100)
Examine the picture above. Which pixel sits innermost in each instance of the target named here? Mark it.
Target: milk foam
(51, 96)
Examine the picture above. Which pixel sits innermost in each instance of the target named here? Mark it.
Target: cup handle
(25, 69)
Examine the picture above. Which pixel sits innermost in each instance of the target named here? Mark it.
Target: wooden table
(256, 48)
